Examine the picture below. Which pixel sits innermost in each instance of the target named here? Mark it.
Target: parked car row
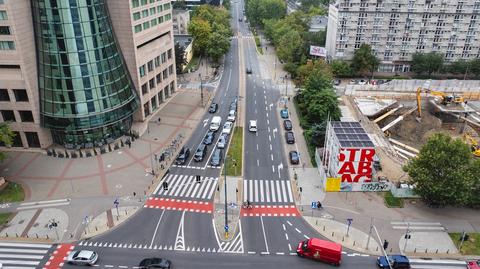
(293, 155)
(90, 258)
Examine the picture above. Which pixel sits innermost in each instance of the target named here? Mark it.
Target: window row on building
(153, 104)
(146, 25)
(150, 11)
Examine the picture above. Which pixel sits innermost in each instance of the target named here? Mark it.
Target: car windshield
(93, 256)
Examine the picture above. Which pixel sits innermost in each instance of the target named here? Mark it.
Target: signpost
(116, 203)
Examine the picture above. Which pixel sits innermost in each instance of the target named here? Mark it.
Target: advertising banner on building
(356, 166)
(318, 51)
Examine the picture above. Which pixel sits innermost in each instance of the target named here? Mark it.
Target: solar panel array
(351, 134)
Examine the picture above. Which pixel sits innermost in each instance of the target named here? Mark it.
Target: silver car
(82, 257)
(222, 141)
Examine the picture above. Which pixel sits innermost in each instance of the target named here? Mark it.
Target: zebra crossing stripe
(189, 181)
(251, 190)
(261, 192)
(283, 191)
(175, 185)
(279, 193)
(274, 199)
(289, 191)
(178, 189)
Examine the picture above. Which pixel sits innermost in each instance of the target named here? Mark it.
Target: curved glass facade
(86, 92)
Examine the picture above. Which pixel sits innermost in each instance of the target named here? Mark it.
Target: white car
(231, 115)
(252, 126)
(82, 257)
(222, 141)
(227, 127)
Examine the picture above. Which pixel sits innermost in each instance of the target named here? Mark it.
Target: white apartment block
(396, 29)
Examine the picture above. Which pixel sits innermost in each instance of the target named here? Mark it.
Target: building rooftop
(184, 40)
(351, 134)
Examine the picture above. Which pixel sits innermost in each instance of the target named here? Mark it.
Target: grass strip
(234, 154)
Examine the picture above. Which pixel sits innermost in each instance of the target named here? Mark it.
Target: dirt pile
(416, 133)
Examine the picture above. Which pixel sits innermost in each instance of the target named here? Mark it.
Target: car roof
(85, 254)
(399, 258)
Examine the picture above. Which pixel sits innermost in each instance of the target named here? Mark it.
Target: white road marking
(269, 138)
(245, 190)
(289, 223)
(289, 190)
(156, 229)
(283, 225)
(271, 156)
(6, 244)
(273, 168)
(272, 184)
(258, 163)
(270, 146)
(267, 114)
(290, 247)
(257, 146)
(306, 237)
(256, 188)
(261, 191)
(298, 231)
(268, 122)
(269, 129)
(286, 236)
(264, 234)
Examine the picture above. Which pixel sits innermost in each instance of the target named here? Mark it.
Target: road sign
(226, 228)
(349, 221)
(314, 205)
(116, 202)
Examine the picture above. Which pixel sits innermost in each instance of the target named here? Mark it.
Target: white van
(215, 123)
(252, 126)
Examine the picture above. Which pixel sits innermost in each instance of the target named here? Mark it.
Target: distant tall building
(396, 29)
(77, 71)
(181, 18)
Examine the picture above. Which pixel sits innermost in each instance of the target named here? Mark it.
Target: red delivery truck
(321, 250)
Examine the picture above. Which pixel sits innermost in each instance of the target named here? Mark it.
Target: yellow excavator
(445, 99)
(473, 144)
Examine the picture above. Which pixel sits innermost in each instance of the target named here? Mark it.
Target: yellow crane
(473, 144)
(445, 99)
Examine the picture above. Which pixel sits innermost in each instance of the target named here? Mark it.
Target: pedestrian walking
(303, 165)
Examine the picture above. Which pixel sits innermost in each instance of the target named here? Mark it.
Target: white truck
(215, 123)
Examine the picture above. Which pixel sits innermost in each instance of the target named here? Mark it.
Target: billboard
(318, 51)
(356, 166)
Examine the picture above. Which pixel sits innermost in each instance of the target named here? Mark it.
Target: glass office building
(86, 92)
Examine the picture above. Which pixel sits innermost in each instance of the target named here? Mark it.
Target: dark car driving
(209, 137)
(289, 137)
(183, 156)
(213, 108)
(216, 157)
(155, 263)
(294, 158)
(287, 124)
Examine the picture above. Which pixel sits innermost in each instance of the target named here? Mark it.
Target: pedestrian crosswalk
(22, 255)
(186, 186)
(417, 226)
(267, 191)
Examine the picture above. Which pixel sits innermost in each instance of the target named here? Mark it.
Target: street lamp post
(201, 87)
(286, 84)
(150, 150)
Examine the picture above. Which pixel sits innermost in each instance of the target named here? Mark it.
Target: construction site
(401, 121)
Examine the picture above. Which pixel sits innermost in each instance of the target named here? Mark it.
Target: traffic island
(107, 220)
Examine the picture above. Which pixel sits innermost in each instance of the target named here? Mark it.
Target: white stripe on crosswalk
(207, 187)
(24, 245)
(245, 190)
(251, 190)
(21, 250)
(256, 193)
(279, 193)
(274, 199)
(261, 192)
(21, 256)
(187, 185)
(190, 188)
(177, 189)
(283, 192)
(17, 267)
(19, 262)
(289, 191)
(268, 191)
(213, 188)
(195, 189)
(174, 185)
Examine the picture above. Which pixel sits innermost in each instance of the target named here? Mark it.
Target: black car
(155, 263)
(213, 108)
(289, 137)
(216, 157)
(209, 138)
(294, 158)
(287, 124)
(200, 153)
(249, 70)
(183, 156)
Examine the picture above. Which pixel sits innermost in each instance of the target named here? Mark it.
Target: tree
(200, 30)
(180, 59)
(364, 61)
(226, 4)
(6, 137)
(444, 172)
(258, 11)
(323, 105)
(428, 63)
(217, 46)
(304, 71)
(316, 134)
(341, 69)
(474, 67)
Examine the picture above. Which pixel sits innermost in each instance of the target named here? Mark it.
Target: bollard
(343, 238)
(126, 213)
(316, 222)
(436, 251)
(148, 187)
(426, 250)
(85, 232)
(415, 250)
(302, 208)
(448, 250)
(96, 229)
(354, 244)
(377, 249)
(333, 233)
(6, 234)
(27, 235)
(391, 249)
(324, 228)
(47, 236)
(71, 235)
(117, 217)
(36, 235)
(16, 235)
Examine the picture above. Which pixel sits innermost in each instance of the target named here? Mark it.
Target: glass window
(168, 17)
(159, 78)
(146, 25)
(144, 2)
(153, 22)
(7, 45)
(159, 8)
(150, 66)
(164, 57)
(166, 6)
(8, 115)
(169, 53)
(145, 13)
(152, 1)
(21, 95)
(144, 88)
(153, 11)
(17, 140)
(151, 83)
(135, 3)
(32, 139)
(160, 20)
(157, 61)
(136, 16)
(4, 95)
(138, 28)
(26, 116)
(170, 69)
(165, 73)
(3, 15)
(2, 2)
(4, 30)
(153, 101)
(142, 71)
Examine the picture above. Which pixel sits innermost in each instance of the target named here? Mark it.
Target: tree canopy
(6, 137)
(364, 61)
(258, 11)
(427, 63)
(445, 173)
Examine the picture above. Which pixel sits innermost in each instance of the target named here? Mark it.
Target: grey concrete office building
(396, 29)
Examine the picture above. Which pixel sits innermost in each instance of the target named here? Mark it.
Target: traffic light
(385, 245)
(197, 178)
(165, 186)
(408, 236)
(162, 157)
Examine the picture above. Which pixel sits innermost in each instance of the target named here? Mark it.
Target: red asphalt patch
(270, 211)
(179, 205)
(58, 257)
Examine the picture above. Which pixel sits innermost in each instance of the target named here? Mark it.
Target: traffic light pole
(384, 250)
(225, 187)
